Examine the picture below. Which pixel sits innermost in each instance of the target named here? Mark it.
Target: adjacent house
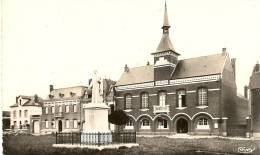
(22, 112)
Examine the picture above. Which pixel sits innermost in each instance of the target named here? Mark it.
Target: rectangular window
(202, 96)
(60, 108)
(75, 123)
(144, 100)
(46, 124)
(20, 113)
(74, 108)
(128, 101)
(67, 109)
(162, 98)
(67, 123)
(25, 113)
(46, 110)
(181, 98)
(15, 124)
(52, 109)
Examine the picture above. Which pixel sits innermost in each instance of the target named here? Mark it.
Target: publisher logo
(244, 149)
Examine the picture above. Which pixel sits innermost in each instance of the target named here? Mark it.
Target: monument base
(96, 138)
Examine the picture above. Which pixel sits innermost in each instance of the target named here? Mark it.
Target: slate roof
(137, 75)
(68, 92)
(193, 67)
(200, 66)
(30, 101)
(255, 80)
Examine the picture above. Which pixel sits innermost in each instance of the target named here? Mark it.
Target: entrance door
(182, 126)
(60, 125)
(36, 127)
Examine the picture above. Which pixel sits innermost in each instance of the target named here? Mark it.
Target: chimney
(246, 92)
(233, 63)
(126, 68)
(51, 88)
(36, 98)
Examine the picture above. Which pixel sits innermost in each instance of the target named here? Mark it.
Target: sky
(61, 42)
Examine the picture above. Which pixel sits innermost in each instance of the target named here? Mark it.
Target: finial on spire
(165, 18)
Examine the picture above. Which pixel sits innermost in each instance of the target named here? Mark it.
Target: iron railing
(98, 138)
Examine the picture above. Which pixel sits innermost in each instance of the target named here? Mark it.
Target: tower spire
(165, 19)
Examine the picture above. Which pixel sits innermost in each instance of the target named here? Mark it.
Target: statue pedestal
(96, 128)
(96, 117)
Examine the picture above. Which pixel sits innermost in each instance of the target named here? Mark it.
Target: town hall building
(192, 96)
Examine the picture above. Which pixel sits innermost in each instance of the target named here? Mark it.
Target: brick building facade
(254, 95)
(194, 96)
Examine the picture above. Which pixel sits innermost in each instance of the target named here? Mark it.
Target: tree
(118, 117)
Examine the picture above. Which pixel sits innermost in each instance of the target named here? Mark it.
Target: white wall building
(21, 112)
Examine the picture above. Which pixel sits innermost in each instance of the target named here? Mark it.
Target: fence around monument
(98, 138)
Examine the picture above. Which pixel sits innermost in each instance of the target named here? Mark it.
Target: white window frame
(129, 125)
(161, 123)
(75, 124)
(67, 124)
(162, 98)
(203, 96)
(47, 110)
(75, 108)
(144, 100)
(67, 108)
(128, 101)
(52, 109)
(144, 124)
(46, 124)
(180, 94)
(203, 123)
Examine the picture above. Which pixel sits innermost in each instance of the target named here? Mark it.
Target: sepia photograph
(130, 77)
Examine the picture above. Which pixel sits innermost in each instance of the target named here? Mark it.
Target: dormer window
(72, 94)
(51, 96)
(61, 95)
(20, 102)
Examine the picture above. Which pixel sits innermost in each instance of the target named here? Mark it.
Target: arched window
(144, 100)
(145, 124)
(162, 123)
(203, 123)
(181, 96)
(162, 98)
(202, 96)
(129, 125)
(128, 101)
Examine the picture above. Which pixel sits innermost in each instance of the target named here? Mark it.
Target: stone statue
(97, 88)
